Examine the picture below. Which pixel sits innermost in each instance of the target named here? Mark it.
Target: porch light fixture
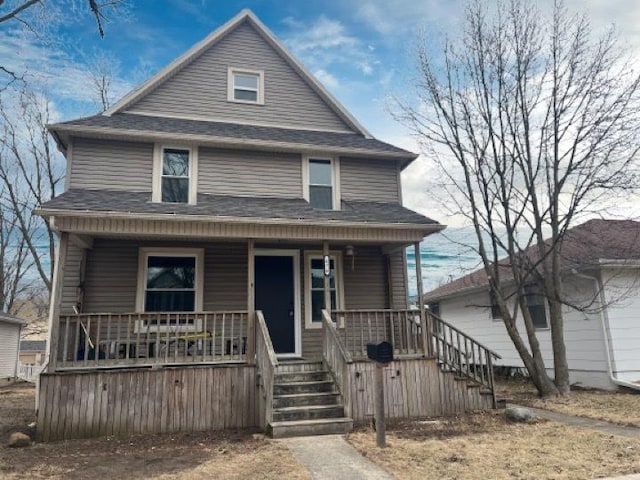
(348, 251)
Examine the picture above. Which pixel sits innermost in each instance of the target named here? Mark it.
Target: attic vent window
(246, 86)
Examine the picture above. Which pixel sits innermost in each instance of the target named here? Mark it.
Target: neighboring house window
(537, 306)
(314, 294)
(175, 171)
(496, 313)
(321, 183)
(246, 86)
(435, 308)
(170, 280)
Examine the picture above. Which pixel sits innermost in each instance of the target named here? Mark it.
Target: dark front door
(275, 297)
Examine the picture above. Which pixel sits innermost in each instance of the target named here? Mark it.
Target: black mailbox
(380, 352)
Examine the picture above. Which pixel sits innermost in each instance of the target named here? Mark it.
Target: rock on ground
(518, 414)
(18, 440)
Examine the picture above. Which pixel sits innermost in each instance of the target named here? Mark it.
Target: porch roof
(231, 206)
(260, 216)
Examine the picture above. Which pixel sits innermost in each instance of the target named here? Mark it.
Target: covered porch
(118, 304)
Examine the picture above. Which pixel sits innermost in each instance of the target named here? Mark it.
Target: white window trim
(231, 85)
(335, 177)
(337, 258)
(145, 252)
(158, 157)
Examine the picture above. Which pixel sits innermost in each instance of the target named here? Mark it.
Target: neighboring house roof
(218, 207)
(33, 345)
(8, 318)
(244, 16)
(590, 244)
(232, 134)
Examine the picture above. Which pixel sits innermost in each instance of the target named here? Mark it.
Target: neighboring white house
(10, 328)
(601, 261)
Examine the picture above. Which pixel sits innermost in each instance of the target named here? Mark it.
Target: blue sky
(359, 49)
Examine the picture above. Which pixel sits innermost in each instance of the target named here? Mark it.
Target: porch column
(56, 299)
(327, 278)
(426, 334)
(251, 303)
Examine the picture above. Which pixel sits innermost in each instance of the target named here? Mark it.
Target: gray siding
(200, 89)
(111, 165)
(249, 173)
(71, 279)
(372, 180)
(398, 276)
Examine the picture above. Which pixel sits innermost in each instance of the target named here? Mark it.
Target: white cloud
(52, 69)
(326, 43)
(327, 79)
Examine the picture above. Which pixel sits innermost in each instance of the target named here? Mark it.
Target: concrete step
(299, 428)
(312, 376)
(309, 412)
(306, 399)
(303, 387)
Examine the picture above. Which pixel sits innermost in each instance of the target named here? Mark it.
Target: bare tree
(41, 18)
(31, 173)
(533, 123)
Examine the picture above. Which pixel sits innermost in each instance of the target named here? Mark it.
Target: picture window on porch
(314, 298)
(170, 280)
(171, 284)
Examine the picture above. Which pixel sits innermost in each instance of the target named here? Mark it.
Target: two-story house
(230, 239)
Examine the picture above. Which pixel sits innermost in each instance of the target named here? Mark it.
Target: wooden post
(378, 386)
(327, 278)
(251, 302)
(56, 299)
(426, 334)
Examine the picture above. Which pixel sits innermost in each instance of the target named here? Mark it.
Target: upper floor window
(321, 183)
(496, 312)
(174, 175)
(246, 86)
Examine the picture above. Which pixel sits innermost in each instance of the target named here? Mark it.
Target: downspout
(604, 320)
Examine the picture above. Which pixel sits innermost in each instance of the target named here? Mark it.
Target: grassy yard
(622, 408)
(228, 455)
(485, 445)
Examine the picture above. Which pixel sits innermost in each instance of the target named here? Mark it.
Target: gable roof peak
(245, 15)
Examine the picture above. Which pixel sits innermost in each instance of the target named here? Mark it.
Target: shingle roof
(230, 206)
(584, 246)
(33, 345)
(133, 123)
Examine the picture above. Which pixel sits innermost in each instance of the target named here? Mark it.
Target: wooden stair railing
(457, 352)
(267, 364)
(337, 358)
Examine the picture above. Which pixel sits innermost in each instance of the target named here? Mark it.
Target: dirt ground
(622, 407)
(228, 455)
(485, 445)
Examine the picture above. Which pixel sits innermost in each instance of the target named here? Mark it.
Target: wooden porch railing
(337, 358)
(95, 340)
(458, 352)
(399, 327)
(267, 364)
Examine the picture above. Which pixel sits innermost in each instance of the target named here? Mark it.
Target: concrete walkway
(599, 425)
(330, 457)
